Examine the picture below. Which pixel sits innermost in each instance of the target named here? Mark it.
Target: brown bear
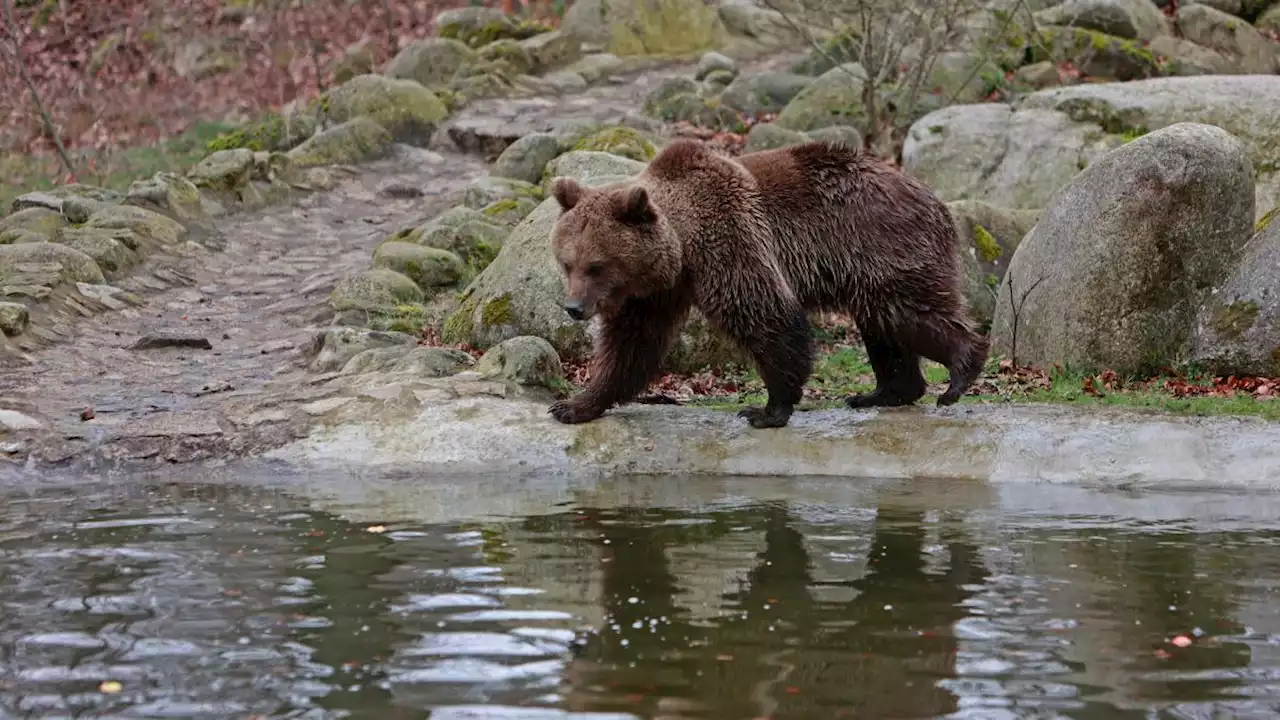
(756, 243)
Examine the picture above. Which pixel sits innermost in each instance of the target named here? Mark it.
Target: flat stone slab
(485, 434)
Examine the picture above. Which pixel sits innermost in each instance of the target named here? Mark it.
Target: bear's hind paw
(766, 417)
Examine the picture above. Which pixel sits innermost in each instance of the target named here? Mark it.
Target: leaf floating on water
(110, 687)
(1181, 641)
(376, 529)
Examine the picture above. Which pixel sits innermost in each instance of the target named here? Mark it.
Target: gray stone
(989, 152)
(427, 267)
(987, 238)
(351, 142)
(1229, 35)
(430, 62)
(524, 360)
(409, 112)
(14, 420)
(333, 347)
(526, 158)
(375, 359)
(46, 264)
(1237, 330)
(14, 319)
(713, 61)
(109, 248)
(1117, 266)
(376, 288)
(768, 136)
(834, 98)
(433, 362)
(584, 165)
(769, 92)
(223, 170)
(551, 50)
(489, 189)
(626, 27)
(1131, 19)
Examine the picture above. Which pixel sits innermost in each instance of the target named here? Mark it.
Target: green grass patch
(116, 169)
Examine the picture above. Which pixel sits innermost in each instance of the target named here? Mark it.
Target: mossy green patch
(459, 326)
(1234, 319)
(1265, 221)
(404, 317)
(497, 311)
(986, 245)
(623, 141)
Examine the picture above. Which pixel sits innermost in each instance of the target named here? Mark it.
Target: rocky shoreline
(364, 277)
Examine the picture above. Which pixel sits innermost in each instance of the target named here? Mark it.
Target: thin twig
(19, 62)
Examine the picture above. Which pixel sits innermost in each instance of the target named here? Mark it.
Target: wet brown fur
(756, 243)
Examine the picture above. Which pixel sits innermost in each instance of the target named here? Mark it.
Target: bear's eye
(594, 269)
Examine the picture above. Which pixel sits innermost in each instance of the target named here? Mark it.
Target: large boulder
(768, 92)
(525, 158)
(990, 152)
(378, 288)
(524, 360)
(835, 98)
(45, 265)
(351, 142)
(110, 248)
(407, 110)
(1130, 19)
(1229, 35)
(645, 27)
(1114, 271)
(1247, 106)
(430, 62)
(585, 165)
(39, 220)
(148, 231)
(427, 267)
(1238, 328)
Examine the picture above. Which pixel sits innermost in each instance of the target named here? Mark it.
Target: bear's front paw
(766, 417)
(571, 412)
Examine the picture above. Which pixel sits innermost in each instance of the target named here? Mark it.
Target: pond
(634, 598)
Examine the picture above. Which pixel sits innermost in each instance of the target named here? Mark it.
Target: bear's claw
(570, 412)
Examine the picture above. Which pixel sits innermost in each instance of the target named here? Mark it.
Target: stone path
(259, 303)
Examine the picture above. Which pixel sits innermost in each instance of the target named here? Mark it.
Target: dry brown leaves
(105, 69)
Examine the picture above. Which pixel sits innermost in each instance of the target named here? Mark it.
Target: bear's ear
(634, 207)
(567, 192)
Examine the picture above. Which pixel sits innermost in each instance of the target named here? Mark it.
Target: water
(663, 598)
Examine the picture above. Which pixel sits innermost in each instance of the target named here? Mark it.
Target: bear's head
(612, 244)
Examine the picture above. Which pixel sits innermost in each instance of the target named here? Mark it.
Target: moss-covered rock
(1129, 19)
(526, 158)
(595, 67)
(356, 59)
(430, 362)
(507, 212)
(480, 26)
(169, 194)
(1096, 54)
(334, 347)
(39, 220)
(1252, 52)
(768, 92)
(524, 360)
(274, 131)
(835, 98)
(768, 136)
(15, 236)
(407, 110)
(223, 171)
(987, 238)
(45, 265)
(111, 249)
(430, 62)
(374, 288)
(14, 319)
(646, 27)
(551, 50)
(584, 165)
(428, 267)
(1237, 329)
(150, 229)
(351, 142)
(509, 52)
(489, 189)
(712, 62)
(657, 103)
(622, 141)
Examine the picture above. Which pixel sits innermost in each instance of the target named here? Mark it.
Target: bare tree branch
(15, 58)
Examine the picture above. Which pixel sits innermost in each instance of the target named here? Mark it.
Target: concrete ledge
(485, 434)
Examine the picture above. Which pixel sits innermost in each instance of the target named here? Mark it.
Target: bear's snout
(576, 309)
